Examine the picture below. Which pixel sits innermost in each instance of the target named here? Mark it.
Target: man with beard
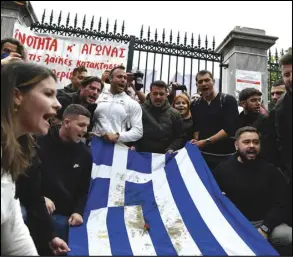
(250, 100)
(215, 118)
(90, 89)
(162, 125)
(117, 116)
(256, 187)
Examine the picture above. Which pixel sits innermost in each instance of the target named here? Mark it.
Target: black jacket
(28, 189)
(257, 189)
(283, 126)
(162, 129)
(256, 120)
(66, 171)
(68, 89)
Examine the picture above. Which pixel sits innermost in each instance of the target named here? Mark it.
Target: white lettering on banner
(63, 54)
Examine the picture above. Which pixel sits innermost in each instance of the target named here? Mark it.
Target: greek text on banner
(63, 54)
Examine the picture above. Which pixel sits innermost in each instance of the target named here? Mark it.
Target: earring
(16, 108)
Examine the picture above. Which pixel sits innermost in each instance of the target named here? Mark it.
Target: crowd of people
(46, 134)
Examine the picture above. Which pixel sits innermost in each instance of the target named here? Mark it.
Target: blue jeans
(61, 226)
(60, 223)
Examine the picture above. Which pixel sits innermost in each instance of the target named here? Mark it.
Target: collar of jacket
(108, 92)
(69, 88)
(163, 108)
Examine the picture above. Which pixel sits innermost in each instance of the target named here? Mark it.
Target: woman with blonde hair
(182, 104)
(28, 101)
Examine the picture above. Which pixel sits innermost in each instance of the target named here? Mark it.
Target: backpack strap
(222, 99)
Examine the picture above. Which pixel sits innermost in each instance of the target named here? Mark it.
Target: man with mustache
(118, 118)
(215, 118)
(256, 187)
(250, 100)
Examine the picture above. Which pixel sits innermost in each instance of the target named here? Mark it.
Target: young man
(12, 50)
(277, 90)
(117, 116)
(216, 119)
(250, 100)
(78, 74)
(163, 126)
(256, 187)
(66, 169)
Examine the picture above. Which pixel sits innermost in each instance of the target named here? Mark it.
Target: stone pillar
(15, 11)
(245, 49)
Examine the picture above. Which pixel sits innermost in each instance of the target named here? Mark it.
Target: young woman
(28, 101)
(182, 104)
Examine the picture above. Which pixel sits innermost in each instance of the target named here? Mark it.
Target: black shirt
(283, 125)
(209, 119)
(256, 120)
(257, 190)
(188, 128)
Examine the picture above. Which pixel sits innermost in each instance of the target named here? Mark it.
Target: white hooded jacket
(118, 114)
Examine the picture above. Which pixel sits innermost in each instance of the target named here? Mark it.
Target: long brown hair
(186, 99)
(17, 152)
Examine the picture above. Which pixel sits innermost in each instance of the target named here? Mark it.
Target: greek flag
(156, 204)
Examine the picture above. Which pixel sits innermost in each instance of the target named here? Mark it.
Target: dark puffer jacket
(162, 129)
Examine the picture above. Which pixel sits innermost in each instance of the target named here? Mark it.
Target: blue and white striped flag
(176, 196)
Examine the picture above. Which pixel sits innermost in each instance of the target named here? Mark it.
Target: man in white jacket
(118, 117)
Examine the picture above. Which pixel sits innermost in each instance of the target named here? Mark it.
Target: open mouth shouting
(48, 116)
(92, 99)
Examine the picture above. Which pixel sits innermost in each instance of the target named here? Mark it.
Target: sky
(214, 19)
(198, 17)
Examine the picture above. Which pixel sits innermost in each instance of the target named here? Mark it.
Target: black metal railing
(184, 59)
(274, 72)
